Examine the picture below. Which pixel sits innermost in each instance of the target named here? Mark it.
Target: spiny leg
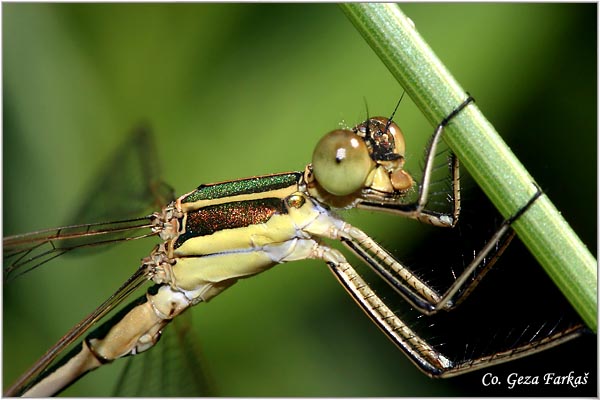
(422, 296)
(485, 259)
(425, 356)
(420, 212)
(426, 299)
(418, 350)
(381, 196)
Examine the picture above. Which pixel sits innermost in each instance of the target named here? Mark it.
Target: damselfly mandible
(220, 233)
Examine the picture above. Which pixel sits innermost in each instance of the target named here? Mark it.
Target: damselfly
(221, 233)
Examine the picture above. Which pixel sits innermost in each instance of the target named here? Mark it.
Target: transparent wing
(173, 368)
(128, 185)
(25, 252)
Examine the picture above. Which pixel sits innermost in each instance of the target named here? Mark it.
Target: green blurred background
(238, 90)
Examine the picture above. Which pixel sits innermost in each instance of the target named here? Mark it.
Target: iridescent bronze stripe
(237, 214)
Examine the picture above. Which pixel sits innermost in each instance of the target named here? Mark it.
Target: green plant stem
(482, 151)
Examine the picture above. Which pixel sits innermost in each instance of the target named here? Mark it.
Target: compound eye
(387, 137)
(396, 132)
(341, 162)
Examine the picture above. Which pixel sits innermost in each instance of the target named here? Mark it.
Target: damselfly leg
(415, 290)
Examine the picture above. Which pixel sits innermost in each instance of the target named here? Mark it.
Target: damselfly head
(341, 162)
(368, 157)
(383, 137)
(385, 141)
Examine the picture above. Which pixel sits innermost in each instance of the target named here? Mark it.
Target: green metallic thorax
(253, 185)
(234, 204)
